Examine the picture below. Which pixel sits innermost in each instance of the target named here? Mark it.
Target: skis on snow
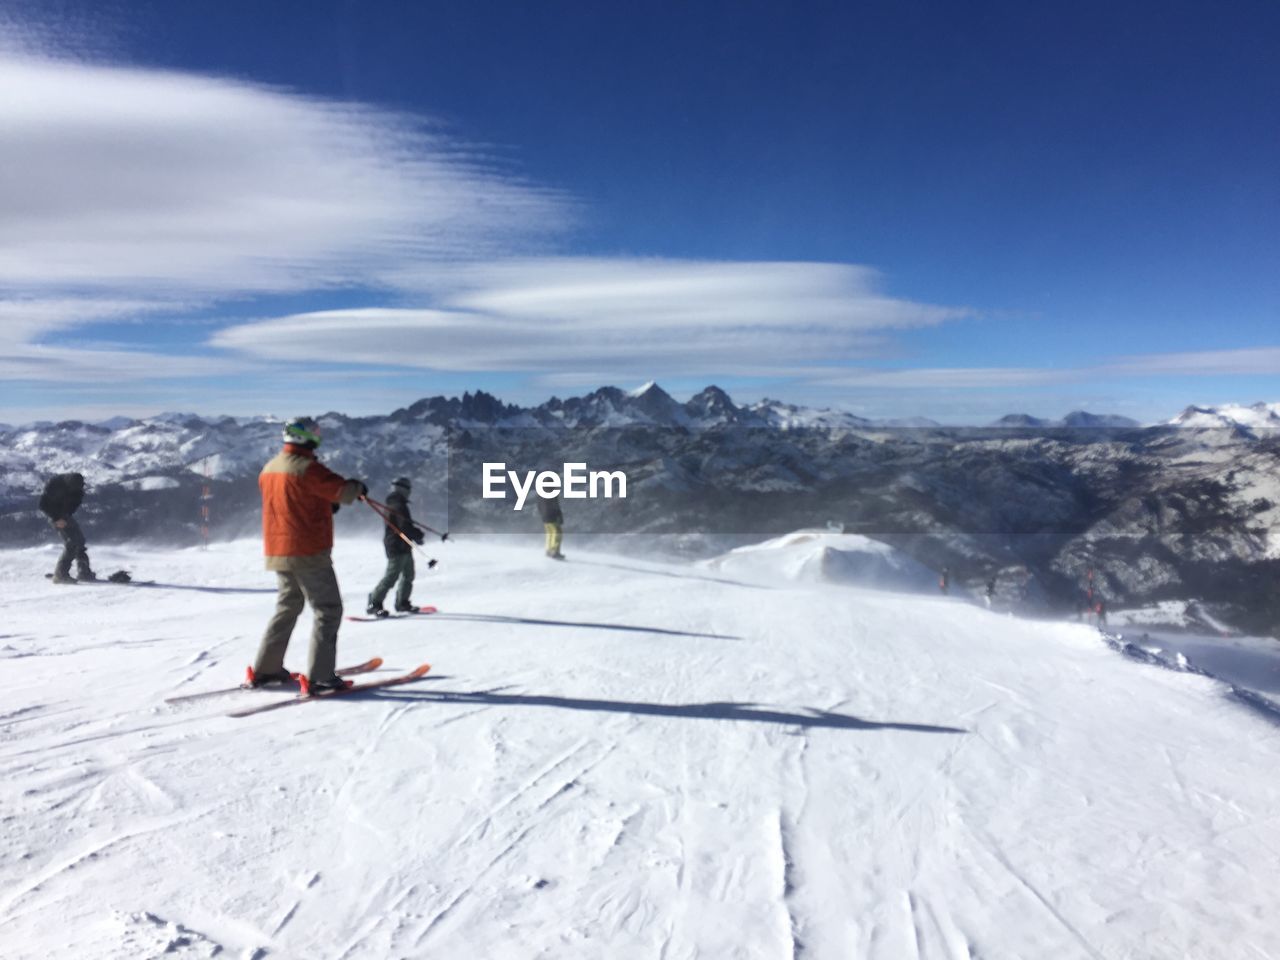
(366, 667)
(416, 674)
(421, 612)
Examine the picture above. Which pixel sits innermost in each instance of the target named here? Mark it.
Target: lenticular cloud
(625, 317)
(116, 177)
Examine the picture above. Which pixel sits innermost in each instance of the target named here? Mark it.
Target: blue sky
(941, 209)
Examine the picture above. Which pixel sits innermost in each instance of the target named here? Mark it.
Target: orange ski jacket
(298, 493)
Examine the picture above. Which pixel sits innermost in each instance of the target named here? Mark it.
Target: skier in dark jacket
(553, 523)
(399, 555)
(62, 496)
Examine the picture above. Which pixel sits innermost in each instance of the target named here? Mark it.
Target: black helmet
(402, 482)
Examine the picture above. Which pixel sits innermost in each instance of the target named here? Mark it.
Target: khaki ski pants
(297, 588)
(555, 533)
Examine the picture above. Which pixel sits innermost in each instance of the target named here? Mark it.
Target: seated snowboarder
(399, 555)
(62, 496)
(553, 523)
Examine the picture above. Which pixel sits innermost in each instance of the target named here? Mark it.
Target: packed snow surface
(614, 759)
(819, 556)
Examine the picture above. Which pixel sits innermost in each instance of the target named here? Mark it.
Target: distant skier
(1100, 610)
(399, 555)
(944, 581)
(553, 523)
(990, 592)
(299, 498)
(61, 498)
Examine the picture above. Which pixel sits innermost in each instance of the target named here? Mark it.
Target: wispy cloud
(1259, 361)
(944, 378)
(129, 192)
(22, 319)
(26, 324)
(609, 317)
(584, 321)
(1256, 361)
(106, 365)
(135, 193)
(117, 178)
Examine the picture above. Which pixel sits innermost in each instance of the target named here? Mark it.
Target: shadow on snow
(534, 622)
(153, 585)
(747, 712)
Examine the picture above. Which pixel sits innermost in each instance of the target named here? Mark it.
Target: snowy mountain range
(1077, 418)
(1178, 510)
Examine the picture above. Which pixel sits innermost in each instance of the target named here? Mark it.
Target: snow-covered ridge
(648, 404)
(1076, 418)
(1157, 513)
(122, 449)
(1257, 416)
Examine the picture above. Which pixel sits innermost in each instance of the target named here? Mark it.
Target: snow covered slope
(615, 759)
(819, 556)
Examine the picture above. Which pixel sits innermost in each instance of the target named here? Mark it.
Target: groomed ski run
(617, 758)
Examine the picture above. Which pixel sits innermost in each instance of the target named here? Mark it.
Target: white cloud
(1258, 361)
(946, 378)
(128, 192)
(1255, 361)
(117, 177)
(25, 322)
(133, 193)
(610, 317)
(24, 319)
(105, 365)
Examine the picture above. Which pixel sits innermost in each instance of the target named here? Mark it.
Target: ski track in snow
(614, 758)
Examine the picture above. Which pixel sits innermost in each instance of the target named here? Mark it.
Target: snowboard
(422, 612)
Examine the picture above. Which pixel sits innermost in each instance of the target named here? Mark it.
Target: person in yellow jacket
(299, 498)
(553, 524)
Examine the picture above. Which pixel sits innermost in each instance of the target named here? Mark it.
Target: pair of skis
(417, 673)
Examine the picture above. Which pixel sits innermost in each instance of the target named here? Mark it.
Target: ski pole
(384, 510)
(431, 561)
(383, 506)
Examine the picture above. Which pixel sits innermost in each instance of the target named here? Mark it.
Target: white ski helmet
(303, 431)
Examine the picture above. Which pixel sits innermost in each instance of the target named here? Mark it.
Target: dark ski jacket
(400, 516)
(549, 510)
(62, 496)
